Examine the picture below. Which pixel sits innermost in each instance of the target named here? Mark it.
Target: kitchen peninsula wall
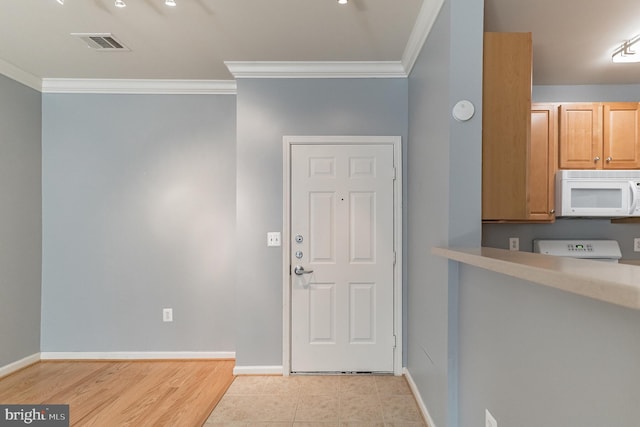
(497, 235)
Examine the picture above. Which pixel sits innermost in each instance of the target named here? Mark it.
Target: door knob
(609, 159)
(299, 270)
(596, 159)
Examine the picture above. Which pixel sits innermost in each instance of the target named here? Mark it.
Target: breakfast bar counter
(604, 281)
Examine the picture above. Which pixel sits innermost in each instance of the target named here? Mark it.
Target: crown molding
(11, 71)
(426, 18)
(316, 69)
(140, 86)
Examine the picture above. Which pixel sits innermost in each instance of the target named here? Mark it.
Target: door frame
(288, 142)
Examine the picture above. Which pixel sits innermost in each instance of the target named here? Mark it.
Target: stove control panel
(579, 247)
(593, 249)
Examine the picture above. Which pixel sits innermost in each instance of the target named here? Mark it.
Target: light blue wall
(268, 110)
(428, 220)
(20, 221)
(444, 197)
(138, 215)
(536, 356)
(586, 93)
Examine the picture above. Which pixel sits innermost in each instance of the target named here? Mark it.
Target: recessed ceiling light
(343, 1)
(61, 2)
(171, 3)
(120, 3)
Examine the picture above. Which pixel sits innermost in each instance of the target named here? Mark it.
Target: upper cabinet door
(581, 136)
(506, 124)
(621, 144)
(542, 162)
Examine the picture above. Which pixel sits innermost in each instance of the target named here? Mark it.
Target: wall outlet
(514, 243)
(636, 244)
(273, 238)
(167, 314)
(489, 421)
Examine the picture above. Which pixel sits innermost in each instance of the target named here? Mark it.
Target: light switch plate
(273, 238)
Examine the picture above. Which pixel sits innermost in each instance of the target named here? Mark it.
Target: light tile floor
(318, 401)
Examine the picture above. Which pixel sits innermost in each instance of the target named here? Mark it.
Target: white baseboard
(418, 397)
(137, 355)
(16, 366)
(258, 370)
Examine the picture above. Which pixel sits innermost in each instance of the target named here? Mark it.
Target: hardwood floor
(124, 393)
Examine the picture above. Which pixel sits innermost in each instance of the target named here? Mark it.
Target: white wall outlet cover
(514, 243)
(463, 110)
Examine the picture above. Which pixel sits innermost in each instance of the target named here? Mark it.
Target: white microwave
(598, 193)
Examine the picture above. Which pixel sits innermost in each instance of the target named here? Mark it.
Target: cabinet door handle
(552, 211)
(609, 159)
(596, 159)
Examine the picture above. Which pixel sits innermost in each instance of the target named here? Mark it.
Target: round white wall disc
(463, 110)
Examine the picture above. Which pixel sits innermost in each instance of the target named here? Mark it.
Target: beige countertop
(610, 282)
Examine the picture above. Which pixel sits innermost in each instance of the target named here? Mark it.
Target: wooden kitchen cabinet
(517, 141)
(542, 162)
(580, 135)
(599, 135)
(621, 139)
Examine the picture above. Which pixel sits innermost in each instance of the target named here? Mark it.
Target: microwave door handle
(634, 197)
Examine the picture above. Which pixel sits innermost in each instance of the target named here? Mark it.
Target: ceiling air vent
(101, 41)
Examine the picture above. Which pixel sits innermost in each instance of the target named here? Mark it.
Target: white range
(600, 250)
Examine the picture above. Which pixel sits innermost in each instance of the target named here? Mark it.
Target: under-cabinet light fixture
(624, 53)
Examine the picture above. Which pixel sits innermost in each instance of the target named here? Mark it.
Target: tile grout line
(384, 421)
(295, 412)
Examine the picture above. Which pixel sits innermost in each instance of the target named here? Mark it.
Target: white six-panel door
(342, 236)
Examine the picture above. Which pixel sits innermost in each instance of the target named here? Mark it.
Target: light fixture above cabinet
(625, 53)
